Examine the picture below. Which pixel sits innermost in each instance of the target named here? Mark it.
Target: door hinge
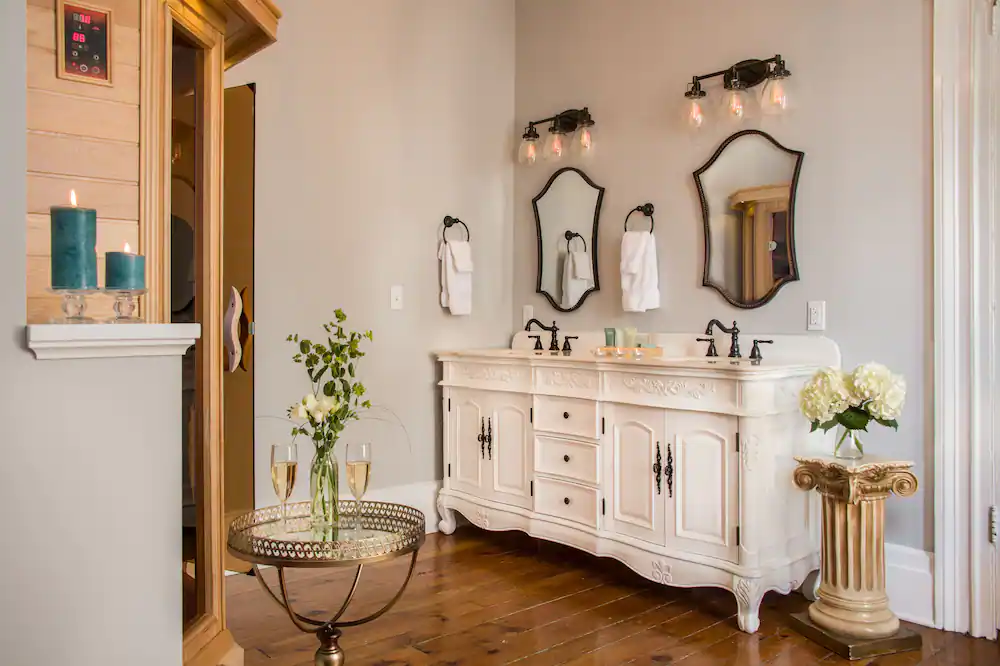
(737, 441)
(737, 535)
(602, 506)
(532, 488)
(993, 524)
(449, 404)
(531, 415)
(602, 425)
(449, 470)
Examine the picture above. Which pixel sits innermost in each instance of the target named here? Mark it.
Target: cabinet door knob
(566, 458)
(565, 500)
(565, 415)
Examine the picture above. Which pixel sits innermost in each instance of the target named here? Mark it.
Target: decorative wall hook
(449, 222)
(647, 210)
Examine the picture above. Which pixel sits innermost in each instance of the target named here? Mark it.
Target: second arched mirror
(747, 191)
(567, 215)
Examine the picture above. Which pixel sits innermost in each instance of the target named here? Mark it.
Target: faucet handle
(711, 346)
(566, 346)
(755, 354)
(538, 342)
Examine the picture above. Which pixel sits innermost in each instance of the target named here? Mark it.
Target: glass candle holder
(126, 305)
(73, 305)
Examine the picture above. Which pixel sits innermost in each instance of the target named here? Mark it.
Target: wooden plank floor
(479, 598)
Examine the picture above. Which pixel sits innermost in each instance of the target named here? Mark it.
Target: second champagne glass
(359, 463)
(284, 466)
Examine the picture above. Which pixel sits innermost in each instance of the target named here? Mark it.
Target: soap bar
(73, 247)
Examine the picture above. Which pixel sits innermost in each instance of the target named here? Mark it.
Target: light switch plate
(527, 314)
(816, 316)
(396, 297)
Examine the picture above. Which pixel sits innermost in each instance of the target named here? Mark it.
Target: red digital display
(85, 44)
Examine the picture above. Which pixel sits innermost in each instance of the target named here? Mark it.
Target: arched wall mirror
(567, 214)
(747, 190)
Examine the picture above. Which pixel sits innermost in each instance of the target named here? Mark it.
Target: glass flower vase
(848, 445)
(324, 482)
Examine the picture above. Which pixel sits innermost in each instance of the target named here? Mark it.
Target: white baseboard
(421, 496)
(909, 578)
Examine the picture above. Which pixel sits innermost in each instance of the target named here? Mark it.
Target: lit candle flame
(72, 198)
(128, 248)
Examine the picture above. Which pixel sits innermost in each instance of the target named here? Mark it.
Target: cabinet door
(702, 513)
(466, 421)
(509, 448)
(638, 498)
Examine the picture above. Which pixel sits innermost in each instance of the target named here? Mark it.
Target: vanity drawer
(567, 416)
(563, 499)
(562, 457)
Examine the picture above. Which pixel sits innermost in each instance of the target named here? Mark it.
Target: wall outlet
(816, 316)
(396, 297)
(527, 314)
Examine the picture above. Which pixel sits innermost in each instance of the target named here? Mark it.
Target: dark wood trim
(793, 260)
(593, 243)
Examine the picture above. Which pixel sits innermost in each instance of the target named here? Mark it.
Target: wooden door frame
(206, 28)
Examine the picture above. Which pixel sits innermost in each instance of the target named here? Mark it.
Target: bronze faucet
(554, 345)
(734, 347)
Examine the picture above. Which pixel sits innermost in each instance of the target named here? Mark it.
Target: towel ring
(449, 222)
(647, 210)
(570, 235)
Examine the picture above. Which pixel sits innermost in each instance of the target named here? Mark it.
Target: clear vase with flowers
(852, 401)
(336, 399)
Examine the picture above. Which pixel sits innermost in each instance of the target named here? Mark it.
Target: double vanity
(678, 465)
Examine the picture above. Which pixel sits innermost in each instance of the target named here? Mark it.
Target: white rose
(826, 395)
(882, 392)
(299, 411)
(318, 415)
(310, 402)
(327, 404)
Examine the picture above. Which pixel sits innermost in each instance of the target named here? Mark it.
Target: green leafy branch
(854, 418)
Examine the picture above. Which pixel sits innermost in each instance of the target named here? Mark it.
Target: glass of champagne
(359, 464)
(284, 465)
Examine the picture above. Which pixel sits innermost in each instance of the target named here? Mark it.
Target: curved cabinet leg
(748, 595)
(447, 524)
(810, 588)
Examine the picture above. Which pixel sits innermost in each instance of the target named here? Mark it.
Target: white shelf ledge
(63, 341)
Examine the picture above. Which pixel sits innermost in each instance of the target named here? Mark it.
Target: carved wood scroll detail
(569, 379)
(668, 387)
(864, 482)
(661, 572)
(489, 373)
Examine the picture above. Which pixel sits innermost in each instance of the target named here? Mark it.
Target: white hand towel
(573, 286)
(639, 272)
(456, 277)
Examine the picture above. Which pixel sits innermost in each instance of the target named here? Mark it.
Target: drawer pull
(566, 458)
(565, 415)
(565, 500)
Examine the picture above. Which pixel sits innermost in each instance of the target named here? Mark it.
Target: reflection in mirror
(567, 212)
(747, 192)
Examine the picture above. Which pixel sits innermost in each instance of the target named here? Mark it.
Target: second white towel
(639, 272)
(456, 276)
(577, 277)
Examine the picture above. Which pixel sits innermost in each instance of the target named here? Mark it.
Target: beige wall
(863, 75)
(374, 121)
(85, 137)
(90, 468)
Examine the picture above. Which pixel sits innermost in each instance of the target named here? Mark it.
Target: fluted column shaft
(851, 599)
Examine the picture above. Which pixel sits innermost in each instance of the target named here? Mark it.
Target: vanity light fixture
(571, 130)
(737, 80)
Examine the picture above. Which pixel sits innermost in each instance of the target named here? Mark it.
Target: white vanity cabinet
(682, 470)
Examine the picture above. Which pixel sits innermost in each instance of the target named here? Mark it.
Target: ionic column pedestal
(851, 601)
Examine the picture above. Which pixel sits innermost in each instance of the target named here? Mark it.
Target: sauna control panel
(84, 43)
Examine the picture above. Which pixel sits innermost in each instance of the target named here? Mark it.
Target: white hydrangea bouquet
(853, 400)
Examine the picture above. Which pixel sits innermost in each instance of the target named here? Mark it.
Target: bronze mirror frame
(592, 244)
(793, 276)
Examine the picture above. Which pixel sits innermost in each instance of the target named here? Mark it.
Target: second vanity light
(737, 80)
(571, 130)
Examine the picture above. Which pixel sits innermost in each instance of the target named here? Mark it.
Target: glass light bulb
(528, 152)
(694, 113)
(736, 104)
(584, 142)
(774, 98)
(555, 146)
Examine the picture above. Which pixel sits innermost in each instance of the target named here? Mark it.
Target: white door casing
(637, 448)
(703, 498)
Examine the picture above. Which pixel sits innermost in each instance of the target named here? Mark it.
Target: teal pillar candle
(124, 271)
(74, 247)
